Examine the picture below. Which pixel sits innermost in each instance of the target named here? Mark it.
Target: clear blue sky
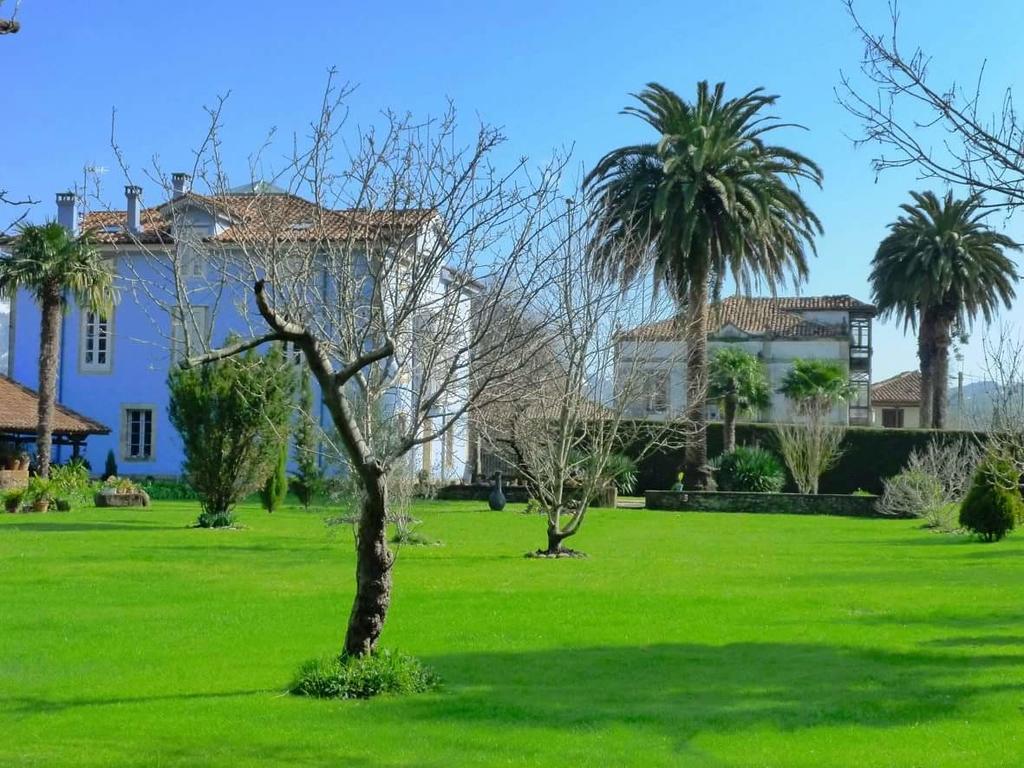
(553, 74)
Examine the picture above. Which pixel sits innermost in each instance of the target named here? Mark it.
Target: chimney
(181, 184)
(66, 211)
(132, 195)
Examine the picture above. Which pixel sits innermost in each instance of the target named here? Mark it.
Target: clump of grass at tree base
(750, 469)
(362, 677)
(993, 505)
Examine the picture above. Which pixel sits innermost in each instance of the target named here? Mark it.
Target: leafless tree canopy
(570, 413)
(946, 131)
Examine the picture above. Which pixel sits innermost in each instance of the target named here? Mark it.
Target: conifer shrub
(993, 503)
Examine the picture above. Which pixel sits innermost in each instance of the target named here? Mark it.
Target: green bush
(993, 504)
(361, 677)
(749, 468)
(169, 490)
(231, 415)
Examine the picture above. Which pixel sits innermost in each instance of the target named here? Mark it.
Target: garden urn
(496, 500)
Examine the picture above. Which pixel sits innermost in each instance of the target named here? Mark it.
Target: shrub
(274, 490)
(912, 493)
(361, 677)
(231, 415)
(110, 468)
(751, 469)
(169, 490)
(70, 483)
(993, 504)
(308, 482)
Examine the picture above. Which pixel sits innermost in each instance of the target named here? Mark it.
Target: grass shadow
(29, 705)
(61, 527)
(685, 690)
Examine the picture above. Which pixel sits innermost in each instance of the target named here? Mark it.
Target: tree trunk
(926, 354)
(373, 573)
(940, 372)
(555, 539)
(49, 357)
(729, 424)
(697, 473)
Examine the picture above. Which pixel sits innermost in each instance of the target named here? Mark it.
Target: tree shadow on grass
(31, 705)
(685, 690)
(62, 527)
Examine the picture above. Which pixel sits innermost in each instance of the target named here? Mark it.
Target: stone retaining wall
(13, 478)
(763, 503)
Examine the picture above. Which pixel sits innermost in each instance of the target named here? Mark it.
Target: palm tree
(707, 200)
(815, 387)
(51, 264)
(937, 269)
(736, 379)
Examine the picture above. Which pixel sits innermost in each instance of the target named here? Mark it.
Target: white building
(896, 401)
(776, 330)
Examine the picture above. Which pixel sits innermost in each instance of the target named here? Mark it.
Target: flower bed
(764, 503)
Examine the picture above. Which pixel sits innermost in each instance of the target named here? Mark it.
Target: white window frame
(126, 439)
(83, 340)
(191, 261)
(657, 387)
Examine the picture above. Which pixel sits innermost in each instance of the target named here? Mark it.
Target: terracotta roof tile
(253, 217)
(764, 316)
(904, 388)
(19, 407)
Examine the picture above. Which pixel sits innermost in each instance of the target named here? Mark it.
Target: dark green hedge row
(869, 456)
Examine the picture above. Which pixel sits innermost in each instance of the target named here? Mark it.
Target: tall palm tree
(707, 200)
(51, 264)
(939, 267)
(737, 380)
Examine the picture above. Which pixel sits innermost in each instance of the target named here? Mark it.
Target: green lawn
(684, 640)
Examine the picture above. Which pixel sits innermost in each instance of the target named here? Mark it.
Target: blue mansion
(113, 367)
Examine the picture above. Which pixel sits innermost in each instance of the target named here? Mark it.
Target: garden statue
(497, 499)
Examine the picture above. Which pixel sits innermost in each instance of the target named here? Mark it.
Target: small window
(656, 391)
(95, 343)
(892, 418)
(292, 353)
(191, 259)
(137, 434)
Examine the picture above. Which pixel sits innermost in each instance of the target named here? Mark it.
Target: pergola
(19, 409)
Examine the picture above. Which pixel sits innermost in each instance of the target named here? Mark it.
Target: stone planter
(41, 506)
(140, 499)
(13, 478)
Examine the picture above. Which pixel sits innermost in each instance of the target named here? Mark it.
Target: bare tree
(10, 25)
(944, 131)
(1004, 424)
(570, 417)
(373, 253)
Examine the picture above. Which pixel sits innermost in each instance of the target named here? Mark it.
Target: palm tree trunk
(49, 355)
(729, 424)
(926, 355)
(940, 372)
(697, 473)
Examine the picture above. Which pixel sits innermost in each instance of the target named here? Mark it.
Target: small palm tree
(815, 387)
(939, 267)
(736, 379)
(51, 264)
(707, 200)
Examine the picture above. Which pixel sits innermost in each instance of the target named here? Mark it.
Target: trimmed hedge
(869, 456)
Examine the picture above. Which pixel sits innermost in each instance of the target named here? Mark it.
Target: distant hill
(979, 397)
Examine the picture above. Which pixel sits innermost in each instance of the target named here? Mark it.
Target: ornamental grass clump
(362, 677)
(993, 504)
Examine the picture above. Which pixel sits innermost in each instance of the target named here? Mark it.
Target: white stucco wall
(911, 416)
(778, 356)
